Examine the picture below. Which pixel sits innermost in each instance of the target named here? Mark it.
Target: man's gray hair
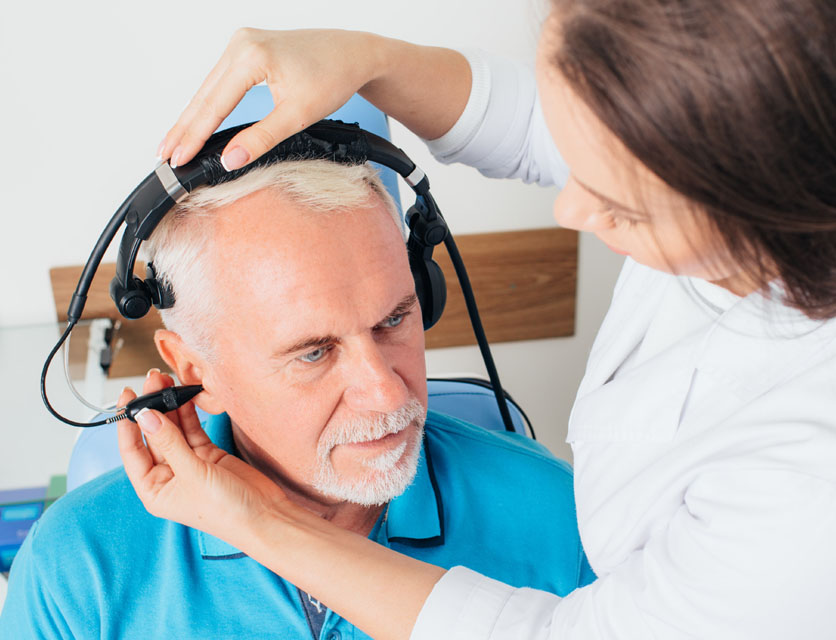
(180, 243)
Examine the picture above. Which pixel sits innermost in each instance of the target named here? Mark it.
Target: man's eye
(315, 355)
(393, 321)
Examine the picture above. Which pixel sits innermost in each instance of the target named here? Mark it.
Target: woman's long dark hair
(732, 103)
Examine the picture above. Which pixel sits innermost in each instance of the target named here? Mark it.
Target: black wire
(478, 330)
(70, 325)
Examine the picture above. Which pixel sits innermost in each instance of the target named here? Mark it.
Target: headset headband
(163, 188)
(330, 140)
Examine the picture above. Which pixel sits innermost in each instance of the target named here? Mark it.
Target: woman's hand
(311, 74)
(180, 475)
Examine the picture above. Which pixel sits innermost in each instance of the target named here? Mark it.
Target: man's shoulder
(103, 508)
(470, 447)
(507, 507)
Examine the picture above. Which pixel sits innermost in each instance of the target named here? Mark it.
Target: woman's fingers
(172, 139)
(205, 113)
(155, 381)
(242, 65)
(191, 427)
(262, 136)
(135, 455)
(309, 73)
(189, 470)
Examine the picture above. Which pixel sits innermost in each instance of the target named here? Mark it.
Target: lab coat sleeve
(30, 611)
(749, 554)
(502, 131)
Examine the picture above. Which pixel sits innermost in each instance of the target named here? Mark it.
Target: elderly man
(296, 310)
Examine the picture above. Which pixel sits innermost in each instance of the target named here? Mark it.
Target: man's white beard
(388, 474)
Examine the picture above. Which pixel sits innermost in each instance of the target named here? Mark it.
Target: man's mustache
(374, 427)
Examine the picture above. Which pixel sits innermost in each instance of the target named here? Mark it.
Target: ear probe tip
(167, 399)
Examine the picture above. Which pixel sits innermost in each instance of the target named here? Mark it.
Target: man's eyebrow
(306, 344)
(402, 307)
(610, 201)
(317, 342)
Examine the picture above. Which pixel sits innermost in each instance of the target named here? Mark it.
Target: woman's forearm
(424, 88)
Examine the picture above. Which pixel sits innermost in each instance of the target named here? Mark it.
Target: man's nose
(373, 384)
(575, 208)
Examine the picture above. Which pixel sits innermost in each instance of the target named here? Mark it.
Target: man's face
(319, 355)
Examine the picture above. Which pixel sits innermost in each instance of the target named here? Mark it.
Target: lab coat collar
(644, 403)
(414, 518)
(759, 343)
(621, 332)
(747, 350)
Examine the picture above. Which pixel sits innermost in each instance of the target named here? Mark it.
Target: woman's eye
(627, 222)
(617, 219)
(315, 355)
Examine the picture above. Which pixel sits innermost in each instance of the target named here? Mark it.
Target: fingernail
(235, 158)
(160, 149)
(150, 371)
(148, 421)
(125, 389)
(175, 158)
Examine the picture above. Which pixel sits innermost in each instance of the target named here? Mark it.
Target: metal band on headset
(170, 182)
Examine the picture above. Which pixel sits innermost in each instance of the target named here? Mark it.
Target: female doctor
(700, 138)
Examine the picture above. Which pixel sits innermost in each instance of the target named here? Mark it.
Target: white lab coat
(704, 434)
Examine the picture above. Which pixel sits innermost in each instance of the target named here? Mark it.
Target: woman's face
(613, 195)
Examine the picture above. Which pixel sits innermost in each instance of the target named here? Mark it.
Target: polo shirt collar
(414, 518)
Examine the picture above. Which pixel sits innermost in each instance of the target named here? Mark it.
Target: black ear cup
(132, 303)
(430, 287)
(161, 294)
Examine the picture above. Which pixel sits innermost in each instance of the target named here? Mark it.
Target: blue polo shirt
(97, 565)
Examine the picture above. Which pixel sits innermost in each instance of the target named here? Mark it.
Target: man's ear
(189, 367)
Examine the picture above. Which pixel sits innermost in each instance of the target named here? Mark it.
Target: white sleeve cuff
(457, 138)
(502, 131)
(463, 604)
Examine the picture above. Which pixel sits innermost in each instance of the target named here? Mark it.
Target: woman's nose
(576, 208)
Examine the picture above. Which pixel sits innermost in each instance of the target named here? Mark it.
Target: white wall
(90, 87)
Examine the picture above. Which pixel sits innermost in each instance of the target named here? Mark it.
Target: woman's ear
(189, 367)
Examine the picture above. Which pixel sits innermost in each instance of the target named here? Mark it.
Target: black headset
(331, 140)
(327, 140)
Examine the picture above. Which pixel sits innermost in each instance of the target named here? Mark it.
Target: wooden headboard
(524, 283)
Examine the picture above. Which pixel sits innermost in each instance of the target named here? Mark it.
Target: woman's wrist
(272, 530)
(425, 88)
